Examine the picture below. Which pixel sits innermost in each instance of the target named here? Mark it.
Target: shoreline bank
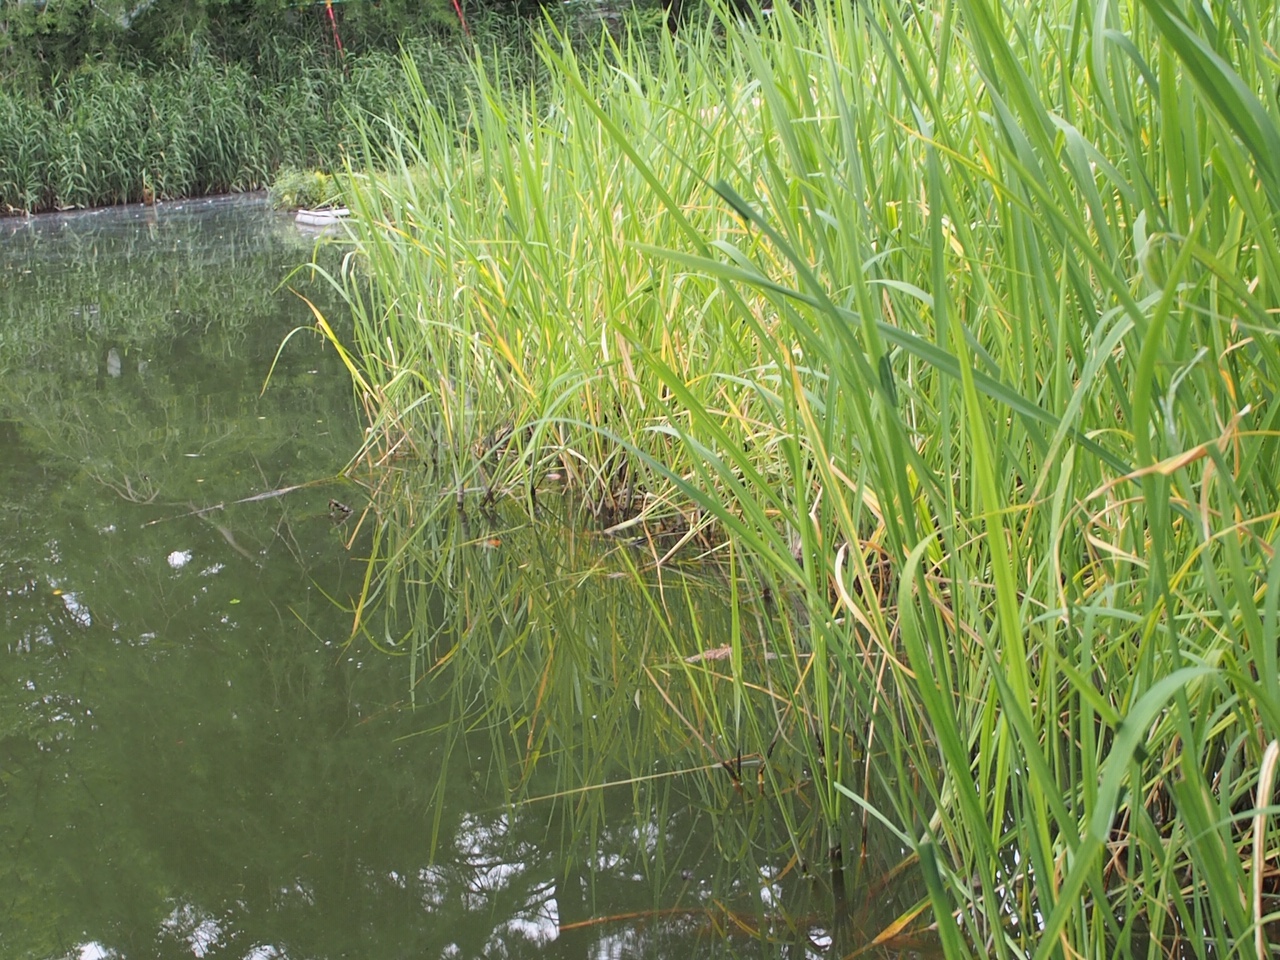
(169, 203)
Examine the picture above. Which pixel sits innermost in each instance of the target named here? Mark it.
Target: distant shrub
(292, 188)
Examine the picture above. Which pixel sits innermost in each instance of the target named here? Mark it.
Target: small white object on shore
(321, 218)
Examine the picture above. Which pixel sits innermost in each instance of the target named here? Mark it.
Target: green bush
(292, 188)
(42, 41)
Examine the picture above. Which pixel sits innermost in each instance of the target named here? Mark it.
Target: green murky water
(194, 763)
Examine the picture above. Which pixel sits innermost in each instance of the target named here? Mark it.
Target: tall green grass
(110, 133)
(953, 326)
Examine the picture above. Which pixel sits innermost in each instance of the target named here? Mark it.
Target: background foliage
(114, 102)
(40, 42)
(112, 131)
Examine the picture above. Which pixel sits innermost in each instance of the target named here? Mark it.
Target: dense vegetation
(41, 41)
(101, 105)
(950, 327)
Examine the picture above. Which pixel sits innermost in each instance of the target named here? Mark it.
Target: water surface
(194, 759)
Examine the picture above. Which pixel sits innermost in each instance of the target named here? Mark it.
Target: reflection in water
(194, 760)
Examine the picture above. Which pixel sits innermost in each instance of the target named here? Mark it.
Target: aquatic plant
(954, 326)
(108, 133)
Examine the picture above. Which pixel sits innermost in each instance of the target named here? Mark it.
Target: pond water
(194, 759)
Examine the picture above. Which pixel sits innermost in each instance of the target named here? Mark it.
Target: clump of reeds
(957, 321)
(111, 133)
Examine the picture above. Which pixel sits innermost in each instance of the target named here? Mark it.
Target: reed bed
(110, 133)
(951, 329)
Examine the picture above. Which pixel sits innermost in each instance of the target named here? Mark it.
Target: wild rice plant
(957, 322)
